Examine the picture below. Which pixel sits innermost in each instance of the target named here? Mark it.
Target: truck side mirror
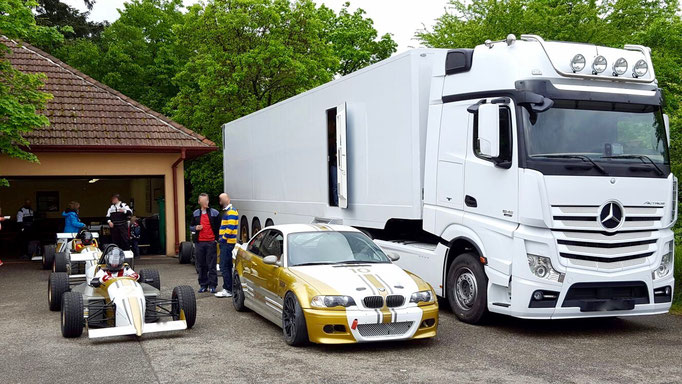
(489, 130)
(666, 122)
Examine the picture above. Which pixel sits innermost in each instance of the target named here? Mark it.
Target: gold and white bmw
(330, 284)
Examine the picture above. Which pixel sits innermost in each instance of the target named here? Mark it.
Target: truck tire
(467, 289)
(293, 322)
(151, 277)
(238, 294)
(61, 262)
(57, 285)
(184, 305)
(72, 314)
(186, 249)
(244, 230)
(255, 226)
(269, 223)
(48, 255)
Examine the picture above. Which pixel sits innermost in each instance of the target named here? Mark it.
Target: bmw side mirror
(489, 130)
(270, 260)
(393, 256)
(666, 122)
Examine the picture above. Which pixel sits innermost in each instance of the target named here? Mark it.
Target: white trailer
(523, 177)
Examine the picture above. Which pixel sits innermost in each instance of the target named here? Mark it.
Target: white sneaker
(224, 293)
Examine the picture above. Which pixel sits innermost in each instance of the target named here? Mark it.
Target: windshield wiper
(581, 157)
(312, 263)
(644, 159)
(356, 262)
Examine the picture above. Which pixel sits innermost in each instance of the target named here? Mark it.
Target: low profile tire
(467, 287)
(184, 305)
(61, 261)
(72, 314)
(293, 322)
(150, 313)
(48, 255)
(56, 287)
(237, 294)
(185, 256)
(151, 277)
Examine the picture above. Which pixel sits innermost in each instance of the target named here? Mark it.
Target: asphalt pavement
(230, 347)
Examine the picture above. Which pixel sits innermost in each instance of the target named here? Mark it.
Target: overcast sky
(402, 18)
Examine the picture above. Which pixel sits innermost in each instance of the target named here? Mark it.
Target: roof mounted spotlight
(599, 64)
(578, 63)
(620, 67)
(511, 38)
(488, 43)
(640, 69)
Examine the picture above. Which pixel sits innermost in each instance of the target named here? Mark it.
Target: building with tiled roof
(99, 142)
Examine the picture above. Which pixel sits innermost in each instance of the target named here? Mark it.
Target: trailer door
(342, 164)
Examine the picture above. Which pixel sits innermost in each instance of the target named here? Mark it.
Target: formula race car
(73, 251)
(115, 301)
(330, 284)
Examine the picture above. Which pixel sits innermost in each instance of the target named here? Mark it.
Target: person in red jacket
(206, 226)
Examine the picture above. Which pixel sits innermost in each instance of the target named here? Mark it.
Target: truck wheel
(185, 256)
(184, 305)
(150, 313)
(151, 277)
(48, 255)
(255, 226)
(56, 287)
(293, 322)
(61, 261)
(269, 223)
(72, 314)
(237, 294)
(467, 289)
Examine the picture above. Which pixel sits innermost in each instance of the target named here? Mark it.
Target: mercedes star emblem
(611, 215)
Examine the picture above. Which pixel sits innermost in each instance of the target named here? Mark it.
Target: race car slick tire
(185, 302)
(151, 277)
(293, 322)
(237, 294)
(72, 314)
(467, 289)
(150, 313)
(61, 260)
(185, 256)
(48, 255)
(56, 287)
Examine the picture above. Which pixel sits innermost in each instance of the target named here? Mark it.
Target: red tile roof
(85, 113)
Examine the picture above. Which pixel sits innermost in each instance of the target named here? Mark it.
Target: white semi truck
(524, 177)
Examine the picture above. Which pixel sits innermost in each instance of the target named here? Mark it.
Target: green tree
(20, 95)
(70, 21)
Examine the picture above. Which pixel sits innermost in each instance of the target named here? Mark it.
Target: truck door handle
(470, 201)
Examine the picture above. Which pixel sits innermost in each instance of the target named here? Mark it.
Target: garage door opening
(51, 195)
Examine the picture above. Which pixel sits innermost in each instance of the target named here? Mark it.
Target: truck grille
(386, 329)
(585, 217)
(373, 301)
(394, 301)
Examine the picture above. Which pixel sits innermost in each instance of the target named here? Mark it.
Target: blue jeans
(206, 256)
(226, 265)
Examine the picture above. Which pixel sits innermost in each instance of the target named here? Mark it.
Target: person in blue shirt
(72, 223)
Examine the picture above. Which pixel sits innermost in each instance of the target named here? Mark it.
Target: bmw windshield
(602, 138)
(329, 247)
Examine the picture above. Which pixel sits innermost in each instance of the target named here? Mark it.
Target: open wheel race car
(330, 284)
(73, 251)
(121, 302)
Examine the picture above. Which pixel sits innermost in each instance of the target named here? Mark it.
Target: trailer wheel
(151, 277)
(61, 262)
(244, 230)
(237, 294)
(57, 285)
(72, 314)
(269, 223)
(255, 226)
(185, 256)
(467, 290)
(48, 255)
(184, 305)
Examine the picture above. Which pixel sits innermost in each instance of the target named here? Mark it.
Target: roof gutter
(174, 171)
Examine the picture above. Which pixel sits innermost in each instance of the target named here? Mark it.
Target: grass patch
(677, 294)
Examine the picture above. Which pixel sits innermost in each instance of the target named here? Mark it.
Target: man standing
(228, 238)
(25, 221)
(117, 216)
(206, 224)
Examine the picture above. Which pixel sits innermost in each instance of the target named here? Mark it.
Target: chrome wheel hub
(466, 289)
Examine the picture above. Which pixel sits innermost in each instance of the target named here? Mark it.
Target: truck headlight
(674, 203)
(666, 265)
(332, 301)
(421, 297)
(541, 267)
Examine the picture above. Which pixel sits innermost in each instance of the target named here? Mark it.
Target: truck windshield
(597, 133)
(310, 248)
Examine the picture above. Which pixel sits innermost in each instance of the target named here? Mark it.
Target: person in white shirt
(117, 217)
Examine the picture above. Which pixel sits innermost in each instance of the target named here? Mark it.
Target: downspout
(176, 228)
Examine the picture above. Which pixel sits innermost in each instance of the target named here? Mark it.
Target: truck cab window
(505, 136)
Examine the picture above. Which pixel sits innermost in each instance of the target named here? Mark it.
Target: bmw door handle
(470, 201)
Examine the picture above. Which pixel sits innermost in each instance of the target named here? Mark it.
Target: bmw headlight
(421, 297)
(666, 265)
(332, 301)
(541, 267)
